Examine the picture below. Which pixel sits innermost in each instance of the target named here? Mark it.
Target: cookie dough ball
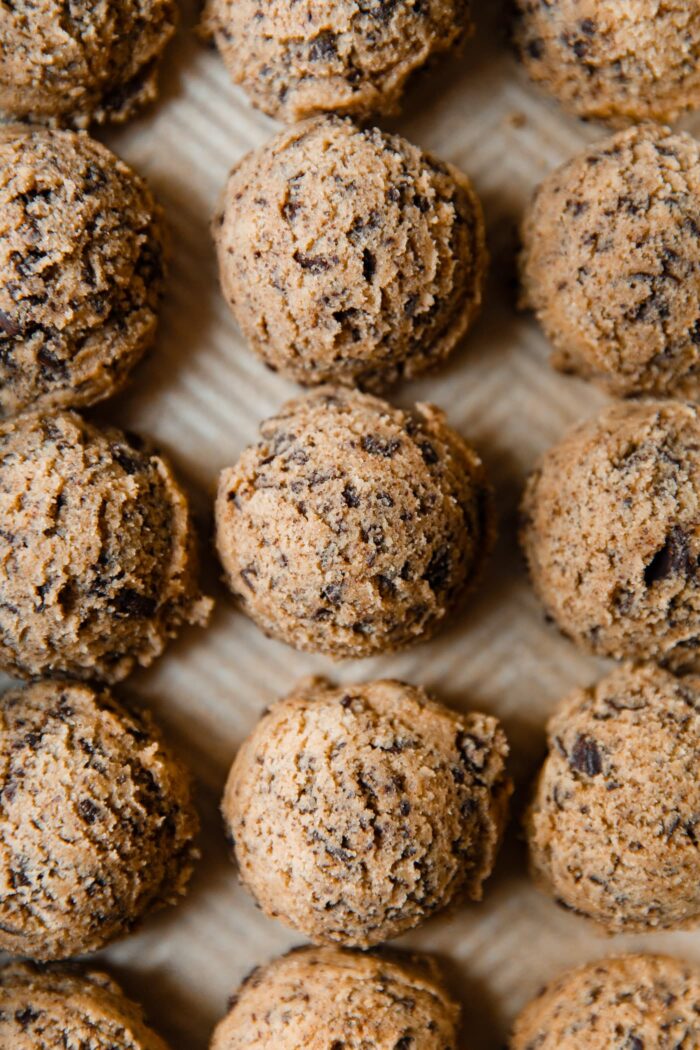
(615, 62)
(325, 794)
(611, 263)
(352, 527)
(94, 62)
(328, 998)
(634, 1001)
(54, 1009)
(350, 255)
(81, 269)
(611, 533)
(296, 60)
(97, 551)
(97, 820)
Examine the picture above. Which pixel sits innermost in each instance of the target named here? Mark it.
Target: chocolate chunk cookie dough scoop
(296, 60)
(350, 255)
(72, 64)
(611, 263)
(326, 998)
(612, 61)
(55, 1010)
(358, 812)
(353, 528)
(81, 269)
(611, 533)
(96, 823)
(97, 551)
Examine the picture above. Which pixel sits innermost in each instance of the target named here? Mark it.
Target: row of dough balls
(330, 998)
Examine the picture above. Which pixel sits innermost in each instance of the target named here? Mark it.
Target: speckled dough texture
(611, 532)
(96, 820)
(71, 64)
(611, 262)
(96, 551)
(358, 812)
(632, 1002)
(349, 255)
(611, 828)
(58, 1009)
(353, 527)
(352, 56)
(326, 998)
(618, 62)
(81, 269)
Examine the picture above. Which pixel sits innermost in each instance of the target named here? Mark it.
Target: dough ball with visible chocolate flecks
(349, 255)
(81, 270)
(611, 263)
(353, 528)
(611, 61)
(359, 812)
(74, 64)
(611, 533)
(97, 549)
(297, 60)
(326, 998)
(97, 820)
(612, 825)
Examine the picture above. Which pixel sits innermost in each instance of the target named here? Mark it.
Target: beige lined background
(200, 396)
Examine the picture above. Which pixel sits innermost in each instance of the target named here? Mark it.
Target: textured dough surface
(353, 56)
(619, 62)
(611, 533)
(352, 527)
(632, 1002)
(96, 551)
(71, 64)
(358, 812)
(96, 816)
(81, 269)
(611, 262)
(326, 998)
(350, 255)
(611, 827)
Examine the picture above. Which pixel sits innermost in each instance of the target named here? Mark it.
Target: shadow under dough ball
(611, 533)
(611, 61)
(350, 255)
(612, 825)
(72, 64)
(352, 527)
(97, 820)
(611, 263)
(297, 60)
(633, 1001)
(330, 997)
(81, 269)
(358, 812)
(97, 550)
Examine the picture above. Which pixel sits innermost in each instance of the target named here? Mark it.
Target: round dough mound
(633, 1001)
(357, 813)
(352, 528)
(330, 998)
(349, 255)
(611, 828)
(611, 263)
(54, 1009)
(611, 532)
(73, 64)
(298, 59)
(81, 269)
(612, 61)
(96, 547)
(96, 821)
